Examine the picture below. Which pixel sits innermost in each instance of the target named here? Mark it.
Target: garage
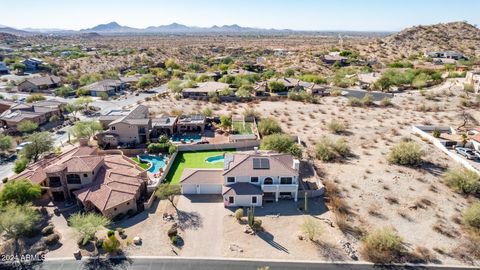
(201, 181)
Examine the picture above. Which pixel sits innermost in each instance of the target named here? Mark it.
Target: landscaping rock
(137, 240)
(349, 249)
(77, 254)
(48, 229)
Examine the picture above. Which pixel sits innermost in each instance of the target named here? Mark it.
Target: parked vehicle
(466, 152)
(21, 146)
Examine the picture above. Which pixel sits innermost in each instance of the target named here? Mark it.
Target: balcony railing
(279, 187)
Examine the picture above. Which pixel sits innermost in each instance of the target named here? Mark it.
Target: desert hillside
(457, 36)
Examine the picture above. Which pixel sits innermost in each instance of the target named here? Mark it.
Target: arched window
(268, 181)
(73, 179)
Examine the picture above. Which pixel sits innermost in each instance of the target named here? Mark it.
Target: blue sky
(360, 15)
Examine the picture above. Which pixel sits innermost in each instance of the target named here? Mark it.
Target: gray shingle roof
(242, 189)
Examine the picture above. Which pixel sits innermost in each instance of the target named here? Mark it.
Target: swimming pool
(186, 137)
(215, 159)
(156, 161)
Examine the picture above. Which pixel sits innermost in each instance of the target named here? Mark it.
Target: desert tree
(40, 142)
(85, 129)
(17, 221)
(87, 225)
(168, 191)
(20, 192)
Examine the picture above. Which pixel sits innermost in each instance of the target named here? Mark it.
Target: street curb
(267, 260)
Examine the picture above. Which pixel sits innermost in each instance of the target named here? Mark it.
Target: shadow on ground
(269, 238)
(189, 220)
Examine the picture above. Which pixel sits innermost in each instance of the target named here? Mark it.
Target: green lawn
(242, 128)
(144, 165)
(185, 160)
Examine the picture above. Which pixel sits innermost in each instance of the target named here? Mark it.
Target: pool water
(215, 159)
(186, 137)
(156, 161)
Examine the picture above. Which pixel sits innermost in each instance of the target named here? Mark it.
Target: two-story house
(126, 127)
(109, 184)
(248, 178)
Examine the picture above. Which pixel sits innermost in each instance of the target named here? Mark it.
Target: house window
(231, 200)
(73, 179)
(254, 200)
(268, 181)
(54, 182)
(113, 128)
(230, 179)
(254, 179)
(85, 175)
(286, 180)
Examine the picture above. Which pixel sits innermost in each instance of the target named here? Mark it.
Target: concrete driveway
(201, 218)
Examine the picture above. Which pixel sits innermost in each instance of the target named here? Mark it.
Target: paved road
(212, 264)
(377, 96)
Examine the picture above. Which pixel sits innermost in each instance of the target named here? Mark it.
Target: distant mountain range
(113, 28)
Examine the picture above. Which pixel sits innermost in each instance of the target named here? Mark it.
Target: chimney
(83, 141)
(255, 149)
(296, 165)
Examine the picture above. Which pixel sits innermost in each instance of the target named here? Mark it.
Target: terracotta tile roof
(76, 164)
(118, 182)
(476, 137)
(202, 176)
(242, 189)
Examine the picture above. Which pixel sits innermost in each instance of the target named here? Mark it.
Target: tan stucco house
(110, 184)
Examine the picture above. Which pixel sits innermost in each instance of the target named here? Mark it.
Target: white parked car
(21, 146)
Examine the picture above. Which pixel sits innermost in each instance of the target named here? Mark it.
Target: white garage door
(210, 189)
(189, 189)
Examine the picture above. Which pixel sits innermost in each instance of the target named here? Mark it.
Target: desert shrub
(436, 133)
(463, 181)
(424, 254)
(386, 102)
(48, 229)
(336, 127)
(382, 246)
(34, 97)
(407, 153)
(329, 150)
(111, 244)
(354, 102)
(303, 96)
(173, 231)
(174, 239)
(110, 233)
(311, 228)
(257, 224)
(52, 239)
(471, 216)
(335, 93)
(367, 100)
(239, 214)
(5, 180)
(269, 126)
(281, 143)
